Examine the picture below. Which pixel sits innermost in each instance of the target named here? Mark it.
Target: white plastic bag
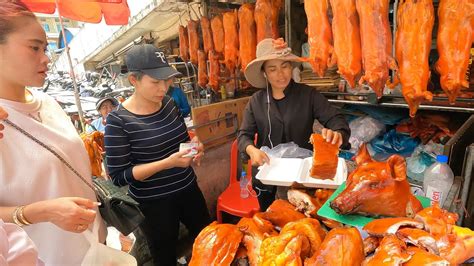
(287, 150)
(102, 255)
(363, 130)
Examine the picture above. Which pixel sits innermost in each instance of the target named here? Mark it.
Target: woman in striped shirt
(142, 139)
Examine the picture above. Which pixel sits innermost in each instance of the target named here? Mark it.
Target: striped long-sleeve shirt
(132, 140)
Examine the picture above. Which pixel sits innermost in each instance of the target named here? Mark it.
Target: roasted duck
(341, 247)
(347, 48)
(421, 257)
(231, 35)
(183, 43)
(254, 234)
(415, 19)
(193, 41)
(218, 34)
(324, 158)
(376, 41)
(214, 70)
(202, 69)
(373, 183)
(263, 19)
(94, 143)
(391, 251)
(276, 6)
(319, 36)
(216, 245)
(454, 41)
(279, 213)
(389, 226)
(247, 35)
(289, 248)
(206, 35)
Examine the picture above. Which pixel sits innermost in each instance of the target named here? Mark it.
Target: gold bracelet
(15, 217)
(21, 216)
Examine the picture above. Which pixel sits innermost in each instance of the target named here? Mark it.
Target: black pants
(162, 217)
(266, 193)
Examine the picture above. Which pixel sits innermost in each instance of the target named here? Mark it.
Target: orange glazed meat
(231, 35)
(324, 158)
(247, 35)
(218, 34)
(391, 251)
(254, 234)
(263, 19)
(276, 6)
(455, 37)
(214, 70)
(206, 35)
(319, 36)
(376, 40)
(279, 213)
(193, 41)
(415, 19)
(202, 69)
(183, 43)
(347, 50)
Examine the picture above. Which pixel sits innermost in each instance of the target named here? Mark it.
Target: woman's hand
(331, 136)
(3, 116)
(257, 156)
(197, 158)
(72, 214)
(177, 160)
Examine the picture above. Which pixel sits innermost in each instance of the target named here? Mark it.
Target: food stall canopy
(115, 12)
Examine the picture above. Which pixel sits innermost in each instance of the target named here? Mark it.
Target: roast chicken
(279, 213)
(341, 247)
(206, 35)
(376, 43)
(324, 158)
(247, 35)
(216, 245)
(214, 70)
(183, 43)
(202, 69)
(218, 34)
(263, 19)
(391, 251)
(319, 36)
(231, 35)
(347, 47)
(373, 183)
(415, 19)
(254, 234)
(454, 41)
(94, 143)
(193, 41)
(276, 6)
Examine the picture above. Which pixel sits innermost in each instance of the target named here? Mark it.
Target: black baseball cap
(150, 60)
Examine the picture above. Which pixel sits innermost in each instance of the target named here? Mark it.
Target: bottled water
(244, 193)
(438, 179)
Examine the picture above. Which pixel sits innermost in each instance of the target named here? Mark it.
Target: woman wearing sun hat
(284, 111)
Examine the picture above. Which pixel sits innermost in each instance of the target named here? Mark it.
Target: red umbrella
(115, 12)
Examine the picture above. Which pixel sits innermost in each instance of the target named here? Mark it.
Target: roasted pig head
(377, 188)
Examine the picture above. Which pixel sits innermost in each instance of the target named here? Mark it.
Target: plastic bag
(287, 150)
(392, 143)
(422, 158)
(363, 130)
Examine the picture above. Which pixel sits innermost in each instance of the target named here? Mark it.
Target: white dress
(29, 173)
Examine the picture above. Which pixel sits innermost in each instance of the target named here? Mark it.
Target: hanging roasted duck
(324, 158)
(231, 36)
(202, 69)
(263, 19)
(206, 35)
(183, 43)
(214, 70)
(376, 41)
(276, 6)
(373, 183)
(193, 41)
(247, 35)
(319, 36)
(347, 47)
(454, 41)
(218, 34)
(415, 19)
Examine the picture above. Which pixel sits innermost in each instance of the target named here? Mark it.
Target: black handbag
(117, 208)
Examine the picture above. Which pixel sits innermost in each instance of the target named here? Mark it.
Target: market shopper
(142, 139)
(104, 106)
(179, 98)
(283, 112)
(37, 190)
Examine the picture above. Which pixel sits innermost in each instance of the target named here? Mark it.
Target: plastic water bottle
(438, 179)
(244, 193)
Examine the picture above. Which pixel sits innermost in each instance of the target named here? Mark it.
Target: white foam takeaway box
(286, 171)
